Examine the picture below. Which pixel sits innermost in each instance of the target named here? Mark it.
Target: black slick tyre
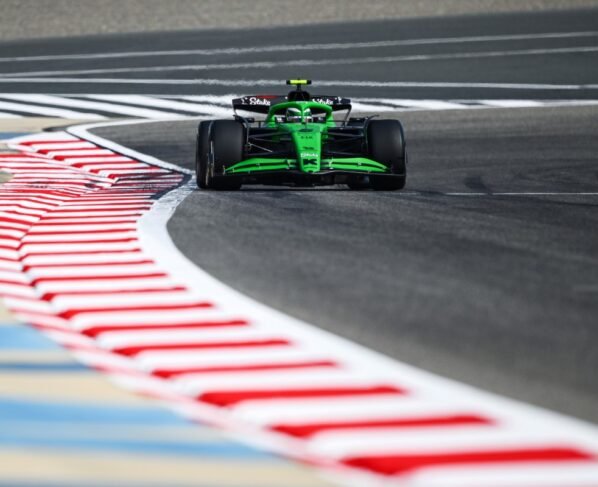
(201, 153)
(226, 140)
(386, 144)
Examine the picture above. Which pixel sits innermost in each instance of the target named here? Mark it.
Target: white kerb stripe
(265, 380)
(84, 302)
(89, 237)
(348, 409)
(103, 285)
(271, 355)
(164, 337)
(513, 474)
(41, 260)
(93, 271)
(117, 317)
(370, 442)
(64, 145)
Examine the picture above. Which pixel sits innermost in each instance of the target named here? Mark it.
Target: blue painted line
(10, 135)
(19, 409)
(142, 446)
(22, 337)
(42, 367)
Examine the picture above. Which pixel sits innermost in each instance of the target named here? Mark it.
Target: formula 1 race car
(300, 144)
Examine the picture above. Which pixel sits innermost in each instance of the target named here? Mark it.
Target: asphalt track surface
(497, 290)
(509, 67)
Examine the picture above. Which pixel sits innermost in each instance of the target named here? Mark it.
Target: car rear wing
(337, 103)
(262, 103)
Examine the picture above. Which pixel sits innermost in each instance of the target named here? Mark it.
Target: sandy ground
(23, 19)
(35, 124)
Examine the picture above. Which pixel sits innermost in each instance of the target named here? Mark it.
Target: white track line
(157, 103)
(46, 111)
(108, 107)
(277, 82)
(305, 47)
(206, 106)
(307, 62)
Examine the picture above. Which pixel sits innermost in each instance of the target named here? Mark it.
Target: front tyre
(226, 139)
(201, 153)
(386, 144)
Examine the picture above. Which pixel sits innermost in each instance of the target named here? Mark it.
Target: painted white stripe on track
(307, 46)
(276, 83)
(46, 111)
(154, 102)
(297, 62)
(107, 107)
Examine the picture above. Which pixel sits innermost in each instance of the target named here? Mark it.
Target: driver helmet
(307, 116)
(293, 115)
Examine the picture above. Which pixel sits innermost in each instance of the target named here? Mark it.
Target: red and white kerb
(73, 264)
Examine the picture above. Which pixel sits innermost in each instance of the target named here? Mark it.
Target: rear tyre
(226, 139)
(386, 144)
(201, 153)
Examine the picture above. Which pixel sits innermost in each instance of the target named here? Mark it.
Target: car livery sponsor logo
(254, 100)
(309, 155)
(326, 101)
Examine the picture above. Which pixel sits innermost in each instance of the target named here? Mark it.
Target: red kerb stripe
(88, 264)
(98, 330)
(149, 275)
(310, 429)
(173, 289)
(231, 398)
(400, 464)
(158, 307)
(132, 351)
(168, 373)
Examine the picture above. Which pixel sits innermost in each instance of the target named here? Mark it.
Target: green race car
(299, 143)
